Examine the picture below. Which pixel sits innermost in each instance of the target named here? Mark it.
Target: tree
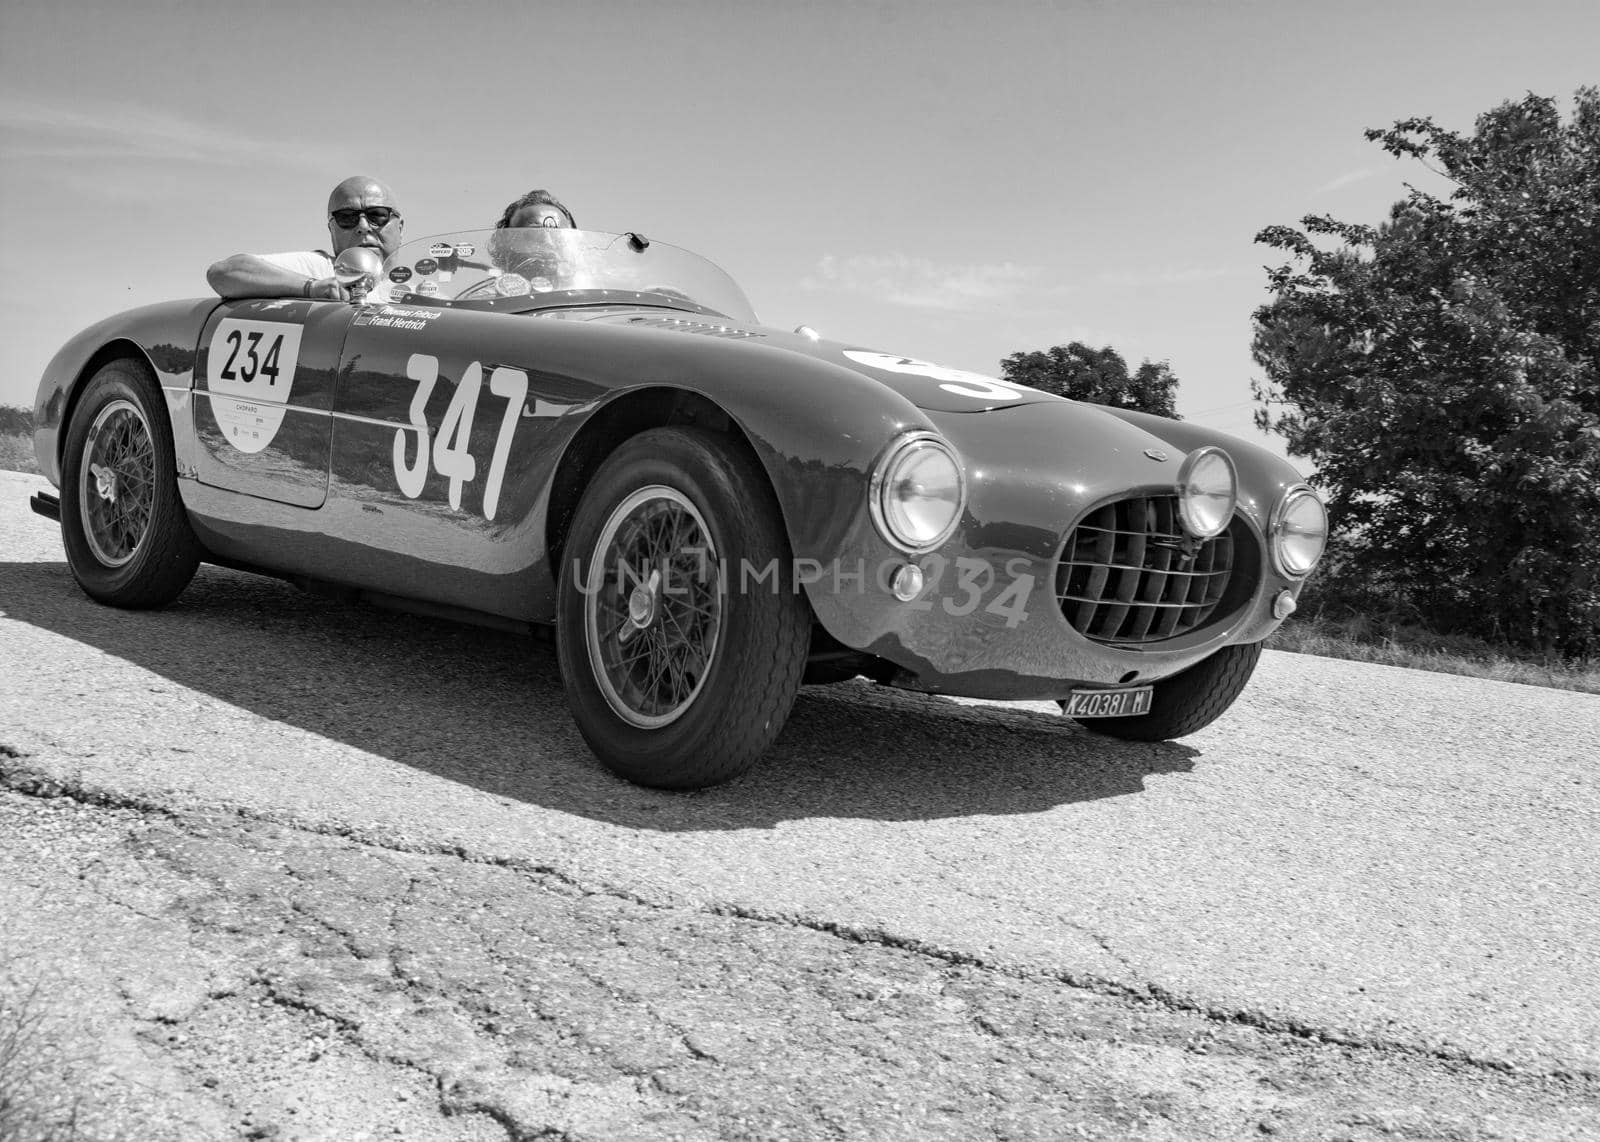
(1099, 376)
(1443, 372)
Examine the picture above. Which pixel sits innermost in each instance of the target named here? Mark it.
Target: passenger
(542, 263)
(361, 212)
(536, 208)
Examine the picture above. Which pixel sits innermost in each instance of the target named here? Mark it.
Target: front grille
(1129, 574)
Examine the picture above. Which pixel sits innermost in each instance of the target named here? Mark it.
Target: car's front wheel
(680, 633)
(1189, 701)
(123, 525)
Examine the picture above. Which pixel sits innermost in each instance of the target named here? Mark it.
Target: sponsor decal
(511, 285)
(400, 274)
(957, 381)
(398, 316)
(249, 372)
(427, 266)
(441, 250)
(427, 288)
(465, 249)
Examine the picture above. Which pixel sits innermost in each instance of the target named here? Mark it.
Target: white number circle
(957, 381)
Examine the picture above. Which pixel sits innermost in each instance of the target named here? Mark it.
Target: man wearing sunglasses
(361, 212)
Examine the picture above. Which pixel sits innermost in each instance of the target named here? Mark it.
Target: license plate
(1107, 703)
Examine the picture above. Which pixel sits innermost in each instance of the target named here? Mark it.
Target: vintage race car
(592, 433)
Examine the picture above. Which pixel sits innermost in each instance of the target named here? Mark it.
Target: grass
(1358, 637)
(16, 454)
(1361, 638)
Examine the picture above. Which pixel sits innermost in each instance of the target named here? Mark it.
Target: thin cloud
(34, 130)
(921, 283)
(1172, 275)
(1344, 180)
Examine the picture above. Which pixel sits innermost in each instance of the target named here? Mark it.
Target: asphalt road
(1385, 860)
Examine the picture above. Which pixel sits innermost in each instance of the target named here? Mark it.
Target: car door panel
(264, 388)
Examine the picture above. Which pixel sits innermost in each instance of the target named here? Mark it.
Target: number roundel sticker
(957, 381)
(249, 372)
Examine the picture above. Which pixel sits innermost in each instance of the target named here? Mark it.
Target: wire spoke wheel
(654, 606)
(123, 522)
(117, 483)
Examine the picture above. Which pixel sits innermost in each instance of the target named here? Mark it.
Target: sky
(949, 181)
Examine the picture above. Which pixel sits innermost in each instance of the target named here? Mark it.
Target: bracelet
(305, 290)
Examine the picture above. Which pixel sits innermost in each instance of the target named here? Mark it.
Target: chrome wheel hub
(117, 485)
(653, 605)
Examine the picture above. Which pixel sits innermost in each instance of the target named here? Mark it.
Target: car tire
(123, 524)
(1189, 701)
(679, 686)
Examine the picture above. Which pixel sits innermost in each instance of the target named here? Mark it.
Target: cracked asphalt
(277, 867)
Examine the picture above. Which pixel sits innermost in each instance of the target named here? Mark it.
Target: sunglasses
(377, 217)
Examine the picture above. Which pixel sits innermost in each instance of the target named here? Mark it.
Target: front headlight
(1207, 492)
(917, 492)
(1299, 532)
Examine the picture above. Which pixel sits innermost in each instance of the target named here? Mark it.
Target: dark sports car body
(592, 431)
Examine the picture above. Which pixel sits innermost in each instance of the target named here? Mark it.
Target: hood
(931, 387)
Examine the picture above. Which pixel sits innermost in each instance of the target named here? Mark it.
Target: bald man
(361, 212)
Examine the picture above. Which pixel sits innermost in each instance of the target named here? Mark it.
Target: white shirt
(317, 264)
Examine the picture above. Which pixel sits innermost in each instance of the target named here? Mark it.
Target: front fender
(164, 335)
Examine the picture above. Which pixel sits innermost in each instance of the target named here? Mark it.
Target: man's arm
(258, 275)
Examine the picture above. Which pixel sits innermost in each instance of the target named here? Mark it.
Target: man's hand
(327, 289)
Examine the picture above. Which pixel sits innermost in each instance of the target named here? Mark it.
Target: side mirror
(357, 269)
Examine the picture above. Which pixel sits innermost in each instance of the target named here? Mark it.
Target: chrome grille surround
(1129, 575)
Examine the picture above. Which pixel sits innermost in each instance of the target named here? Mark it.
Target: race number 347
(450, 451)
(249, 372)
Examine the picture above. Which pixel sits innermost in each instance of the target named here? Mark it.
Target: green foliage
(1099, 376)
(1441, 371)
(15, 421)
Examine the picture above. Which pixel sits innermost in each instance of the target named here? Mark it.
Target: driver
(361, 212)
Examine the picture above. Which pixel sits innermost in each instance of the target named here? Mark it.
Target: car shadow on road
(487, 710)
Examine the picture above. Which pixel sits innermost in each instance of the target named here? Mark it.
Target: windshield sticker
(511, 285)
(400, 274)
(427, 289)
(957, 381)
(250, 371)
(441, 250)
(465, 249)
(427, 266)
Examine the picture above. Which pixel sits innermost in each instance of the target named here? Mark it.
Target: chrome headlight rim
(898, 449)
(1185, 515)
(1280, 517)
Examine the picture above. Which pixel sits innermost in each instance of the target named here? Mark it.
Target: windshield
(533, 267)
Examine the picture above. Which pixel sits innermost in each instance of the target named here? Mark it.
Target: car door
(444, 438)
(264, 392)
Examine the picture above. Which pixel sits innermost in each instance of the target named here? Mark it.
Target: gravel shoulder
(197, 975)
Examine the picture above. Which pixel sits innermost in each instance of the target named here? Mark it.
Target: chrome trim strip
(350, 416)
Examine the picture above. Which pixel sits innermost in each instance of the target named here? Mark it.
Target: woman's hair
(534, 198)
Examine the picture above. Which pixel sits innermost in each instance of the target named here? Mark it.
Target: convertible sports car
(592, 432)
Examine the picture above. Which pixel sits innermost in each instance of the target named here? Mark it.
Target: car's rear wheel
(680, 633)
(1188, 701)
(127, 537)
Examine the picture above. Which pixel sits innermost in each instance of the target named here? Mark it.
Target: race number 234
(450, 453)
